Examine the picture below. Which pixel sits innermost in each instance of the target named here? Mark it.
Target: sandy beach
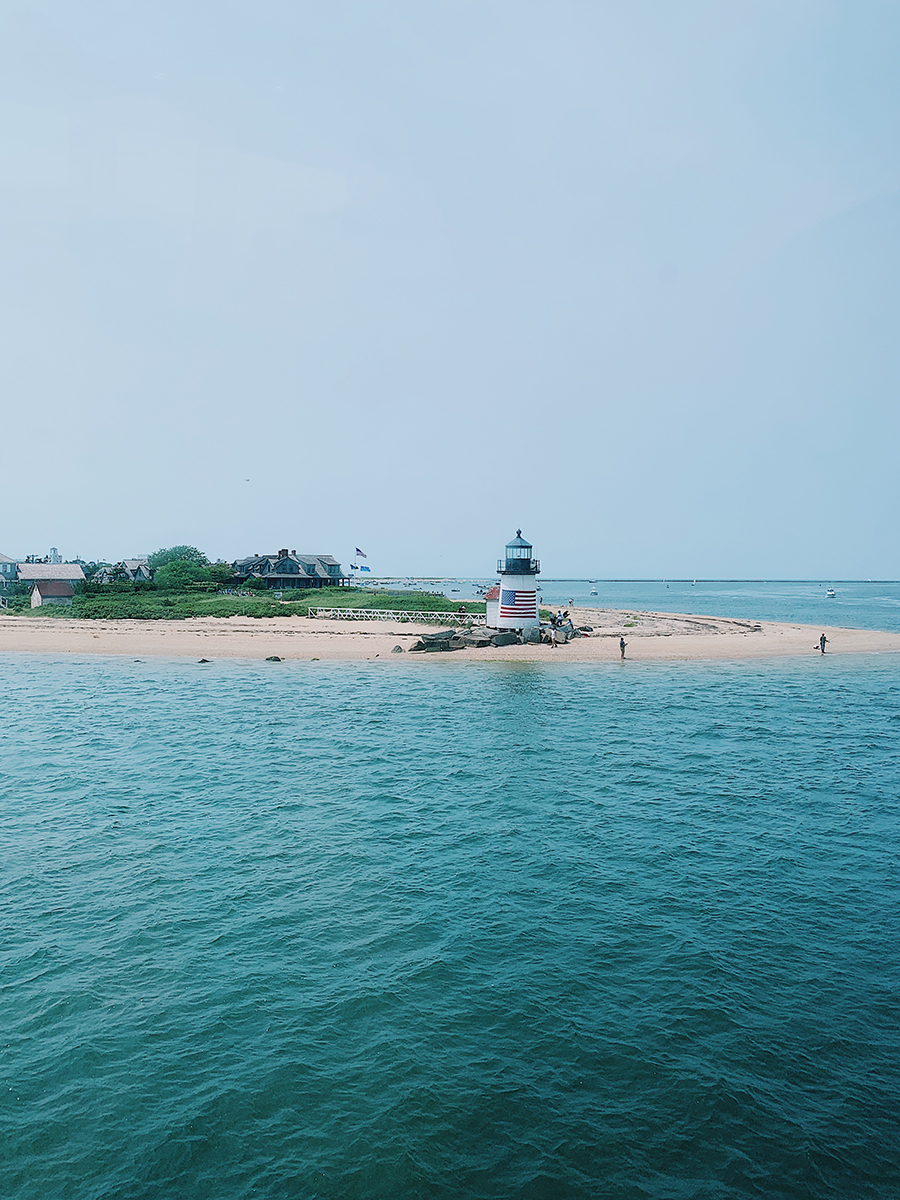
(650, 637)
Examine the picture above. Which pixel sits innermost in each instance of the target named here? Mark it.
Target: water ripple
(495, 931)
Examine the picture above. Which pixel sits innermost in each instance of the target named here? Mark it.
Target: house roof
(3, 558)
(313, 566)
(30, 571)
(493, 594)
(54, 587)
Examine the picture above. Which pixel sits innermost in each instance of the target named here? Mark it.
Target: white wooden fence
(396, 614)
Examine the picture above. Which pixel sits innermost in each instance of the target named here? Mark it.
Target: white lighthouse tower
(518, 607)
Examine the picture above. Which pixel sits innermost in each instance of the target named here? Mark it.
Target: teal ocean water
(855, 604)
(449, 930)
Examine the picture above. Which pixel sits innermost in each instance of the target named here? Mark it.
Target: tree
(221, 573)
(178, 576)
(188, 554)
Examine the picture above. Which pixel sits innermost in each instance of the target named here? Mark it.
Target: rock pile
(459, 639)
(481, 636)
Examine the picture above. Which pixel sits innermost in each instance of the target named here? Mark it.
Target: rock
(444, 635)
(505, 639)
(397, 650)
(585, 629)
(447, 639)
(273, 658)
(479, 635)
(531, 636)
(204, 660)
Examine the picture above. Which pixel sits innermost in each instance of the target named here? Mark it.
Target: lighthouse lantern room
(518, 607)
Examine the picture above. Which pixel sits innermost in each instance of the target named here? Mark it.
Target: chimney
(282, 553)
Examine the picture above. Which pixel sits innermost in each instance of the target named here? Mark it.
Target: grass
(391, 601)
(177, 606)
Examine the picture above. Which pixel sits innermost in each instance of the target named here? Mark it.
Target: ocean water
(449, 930)
(855, 605)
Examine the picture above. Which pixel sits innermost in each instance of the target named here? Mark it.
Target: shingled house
(46, 572)
(129, 570)
(51, 591)
(291, 570)
(52, 582)
(7, 571)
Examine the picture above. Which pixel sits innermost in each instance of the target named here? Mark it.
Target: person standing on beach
(822, 640)
(623, 644)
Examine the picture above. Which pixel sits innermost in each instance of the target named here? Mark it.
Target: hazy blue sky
(623, 274)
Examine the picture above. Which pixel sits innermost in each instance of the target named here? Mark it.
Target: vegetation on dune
(186, 584)
(172, 607)
(187, 554)
(391, 601)
(167, 601)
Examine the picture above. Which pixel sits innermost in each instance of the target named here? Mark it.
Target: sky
(410, 276)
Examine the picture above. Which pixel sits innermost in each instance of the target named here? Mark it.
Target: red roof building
(51, 591)
(492, 607)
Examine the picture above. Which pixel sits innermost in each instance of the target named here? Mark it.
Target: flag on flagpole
(361, 553)
(369, 569)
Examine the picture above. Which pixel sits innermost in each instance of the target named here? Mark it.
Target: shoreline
(651, 637)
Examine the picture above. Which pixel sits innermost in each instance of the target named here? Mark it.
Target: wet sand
(650, 637)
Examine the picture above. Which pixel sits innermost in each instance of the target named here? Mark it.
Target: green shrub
(190, 554)
(144, 602)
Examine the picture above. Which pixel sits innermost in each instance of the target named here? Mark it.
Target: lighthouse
(518, 606)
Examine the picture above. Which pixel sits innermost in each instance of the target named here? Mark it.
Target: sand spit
(650, 637)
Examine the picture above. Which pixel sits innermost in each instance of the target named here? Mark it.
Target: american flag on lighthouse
(518, 604)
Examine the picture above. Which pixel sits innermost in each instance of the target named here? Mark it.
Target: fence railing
(396, 614)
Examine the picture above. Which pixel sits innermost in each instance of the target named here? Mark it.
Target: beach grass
(147, 605)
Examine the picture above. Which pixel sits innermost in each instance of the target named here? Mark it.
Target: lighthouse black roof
(518, 560)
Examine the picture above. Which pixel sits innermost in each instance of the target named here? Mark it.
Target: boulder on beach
(438, 641)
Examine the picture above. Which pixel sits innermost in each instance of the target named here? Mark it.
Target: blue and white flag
(361, 553)
(369, 569)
